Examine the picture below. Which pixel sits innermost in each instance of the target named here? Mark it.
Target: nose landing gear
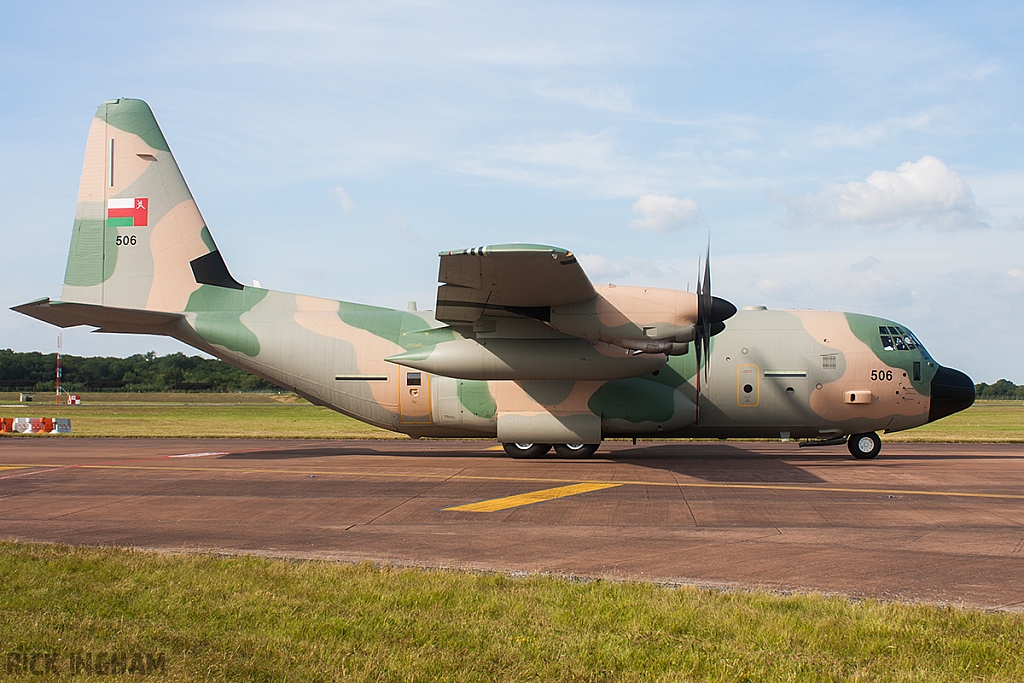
(864, 446)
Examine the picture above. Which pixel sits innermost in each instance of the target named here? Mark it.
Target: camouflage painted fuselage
(531, 351)
(800, 367)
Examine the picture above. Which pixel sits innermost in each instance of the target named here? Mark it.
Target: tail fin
(139, 240)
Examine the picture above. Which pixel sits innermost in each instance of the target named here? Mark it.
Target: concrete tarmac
(922, 522)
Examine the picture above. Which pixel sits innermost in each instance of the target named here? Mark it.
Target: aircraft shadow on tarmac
(708, 462)
(295, 453)
(717, 463)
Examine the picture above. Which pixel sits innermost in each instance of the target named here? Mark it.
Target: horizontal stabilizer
(106, 318)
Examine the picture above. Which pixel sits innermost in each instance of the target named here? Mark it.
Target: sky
(863, 157)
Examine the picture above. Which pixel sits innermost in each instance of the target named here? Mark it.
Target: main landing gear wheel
(576, 450)
(864, 446)
(526, 450)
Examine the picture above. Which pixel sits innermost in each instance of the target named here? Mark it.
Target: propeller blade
(711, 314)
(705, 303)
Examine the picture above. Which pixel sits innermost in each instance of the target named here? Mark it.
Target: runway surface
(937, 523)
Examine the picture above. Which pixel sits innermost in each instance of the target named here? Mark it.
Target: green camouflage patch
(218, 316)
(475, 396)
(134, 116)
(90, 262)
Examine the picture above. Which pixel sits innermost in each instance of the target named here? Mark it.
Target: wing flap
(508, 279)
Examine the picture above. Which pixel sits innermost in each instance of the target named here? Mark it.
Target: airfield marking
(543, 480)
(52, 468)
(522, 499)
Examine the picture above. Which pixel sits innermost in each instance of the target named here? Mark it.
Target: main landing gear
(538, 450)
(864, 446)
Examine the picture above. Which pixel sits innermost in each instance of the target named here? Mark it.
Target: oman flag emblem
(128, 212)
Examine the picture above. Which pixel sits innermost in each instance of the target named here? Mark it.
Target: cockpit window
(898, 339)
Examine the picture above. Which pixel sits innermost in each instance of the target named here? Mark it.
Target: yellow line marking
(530, 498)
(12, 467)
(499, 447)
(544, 480)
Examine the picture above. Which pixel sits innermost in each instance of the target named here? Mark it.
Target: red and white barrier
(36, 425)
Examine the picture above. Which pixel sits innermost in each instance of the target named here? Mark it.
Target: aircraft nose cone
(952, 391)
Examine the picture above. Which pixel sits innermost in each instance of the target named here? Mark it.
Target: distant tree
(141, 372)
(1002, 389)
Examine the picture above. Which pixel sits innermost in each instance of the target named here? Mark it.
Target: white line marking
(198, 455)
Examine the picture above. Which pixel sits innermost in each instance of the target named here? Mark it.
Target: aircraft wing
(508, 280)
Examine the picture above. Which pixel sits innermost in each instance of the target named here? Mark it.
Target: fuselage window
(917, 371)
(412, 379)
(829, 362)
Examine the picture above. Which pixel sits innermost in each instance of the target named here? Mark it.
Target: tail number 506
(126, 240)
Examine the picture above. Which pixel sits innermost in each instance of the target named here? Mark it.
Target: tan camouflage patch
(174, 242)
(830, 402)
(320, 316)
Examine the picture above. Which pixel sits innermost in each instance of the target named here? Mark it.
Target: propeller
(712, 312)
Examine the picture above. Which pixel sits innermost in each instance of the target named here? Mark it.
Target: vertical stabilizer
(139, 240)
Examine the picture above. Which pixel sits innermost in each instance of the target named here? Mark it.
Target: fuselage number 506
(881, 375)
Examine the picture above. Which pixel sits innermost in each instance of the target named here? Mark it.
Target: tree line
(141, 372)
(1004, 389)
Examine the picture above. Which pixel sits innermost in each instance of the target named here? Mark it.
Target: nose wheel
(864, 446)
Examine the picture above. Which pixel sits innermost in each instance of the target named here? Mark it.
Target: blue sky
(862, 157)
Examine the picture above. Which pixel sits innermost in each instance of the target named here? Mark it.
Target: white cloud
(629, 270)
(842, 135)
(397, 223)
(661, 213)
(597, 267)
(769, 285)
(346, 202)
(606, 97)
(919, 193)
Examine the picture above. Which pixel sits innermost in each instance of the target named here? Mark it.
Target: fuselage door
(414, 397)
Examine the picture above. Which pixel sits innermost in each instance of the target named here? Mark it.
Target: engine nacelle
(643, 319)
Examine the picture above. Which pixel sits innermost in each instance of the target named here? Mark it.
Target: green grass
(984, 422)
(283, 416)
(246, 618)
(286, 416)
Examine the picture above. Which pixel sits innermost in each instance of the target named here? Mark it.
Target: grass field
(286, 416)
(268, 416)
(245, 618)
(984, 422)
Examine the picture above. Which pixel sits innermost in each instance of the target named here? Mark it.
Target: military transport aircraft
(522, 346)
